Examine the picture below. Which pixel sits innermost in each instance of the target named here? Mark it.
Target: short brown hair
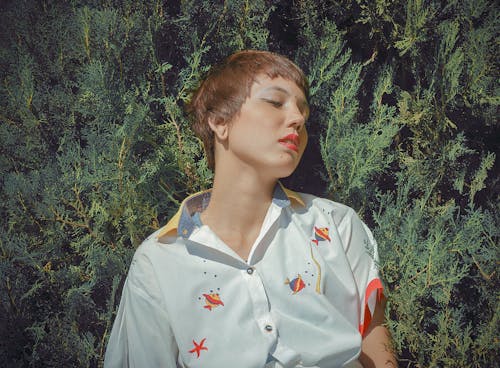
(228, 84)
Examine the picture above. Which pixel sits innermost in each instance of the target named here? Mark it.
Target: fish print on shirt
(211, 298)
(212, 301)
(297, 284)
(320, 234)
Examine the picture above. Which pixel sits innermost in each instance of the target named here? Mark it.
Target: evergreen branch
(84, 225)
(59, 218)
(242, 23)
(171, 118)
(180, 145)
(480, 269)
(25, 209)
(430, 190)
(491, 241)
(329, 168)
(372, 57)
(182, 91)
(4, 252)
(86, 30)
(87, 41)
(10, 121)
(193, 66)
(83, 214)
(201, 50)
(111, 304)
(11, 298)
(219, 20)
(120, 164)
(168, 191)
(120, 65)
(329, 172)
(162, 83)
(103, 340)
(414, 277)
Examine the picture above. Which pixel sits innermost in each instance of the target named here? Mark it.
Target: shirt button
(268, 328)
(249, 270)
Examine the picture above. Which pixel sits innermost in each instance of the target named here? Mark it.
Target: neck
(238, 202)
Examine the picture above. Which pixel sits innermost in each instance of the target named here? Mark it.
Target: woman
(249, 273)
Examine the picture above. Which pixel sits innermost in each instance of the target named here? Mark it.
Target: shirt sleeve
(141, 335)
(361, 251)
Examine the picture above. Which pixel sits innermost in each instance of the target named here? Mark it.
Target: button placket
(260, 303)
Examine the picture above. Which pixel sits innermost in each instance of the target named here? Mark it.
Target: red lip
(291, 141)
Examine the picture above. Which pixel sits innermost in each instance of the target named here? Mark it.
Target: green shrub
(97, 153)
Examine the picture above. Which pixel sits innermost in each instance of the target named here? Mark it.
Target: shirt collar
(182, 221)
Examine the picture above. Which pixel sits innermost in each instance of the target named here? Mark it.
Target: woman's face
(268, 133)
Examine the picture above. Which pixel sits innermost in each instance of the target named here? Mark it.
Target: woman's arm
(141, 336)
(376, 350)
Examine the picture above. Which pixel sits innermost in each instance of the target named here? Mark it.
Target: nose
(295, 118)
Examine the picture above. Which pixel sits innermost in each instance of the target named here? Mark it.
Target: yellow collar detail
(173, 223)
(293, 195)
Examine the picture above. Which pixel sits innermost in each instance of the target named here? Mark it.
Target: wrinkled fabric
(298, 301)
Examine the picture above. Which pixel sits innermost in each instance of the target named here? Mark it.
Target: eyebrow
(302, 101)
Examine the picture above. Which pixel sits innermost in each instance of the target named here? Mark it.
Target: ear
(219, 127)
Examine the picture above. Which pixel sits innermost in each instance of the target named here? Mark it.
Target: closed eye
(274, 103)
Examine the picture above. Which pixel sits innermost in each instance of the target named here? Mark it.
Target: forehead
(265, 84)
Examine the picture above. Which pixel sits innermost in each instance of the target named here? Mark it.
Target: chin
(285, 170)
(279, 167)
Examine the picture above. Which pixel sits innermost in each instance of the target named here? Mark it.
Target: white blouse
(302, 299)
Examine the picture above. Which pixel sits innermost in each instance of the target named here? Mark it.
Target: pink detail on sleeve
(375, 285)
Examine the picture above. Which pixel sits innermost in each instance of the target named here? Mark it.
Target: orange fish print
(320, 234)
(297, 284)
(212, 300)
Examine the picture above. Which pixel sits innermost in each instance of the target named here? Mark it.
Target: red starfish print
(198, 347)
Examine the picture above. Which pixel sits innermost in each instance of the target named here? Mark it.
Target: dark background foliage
(96, 153)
